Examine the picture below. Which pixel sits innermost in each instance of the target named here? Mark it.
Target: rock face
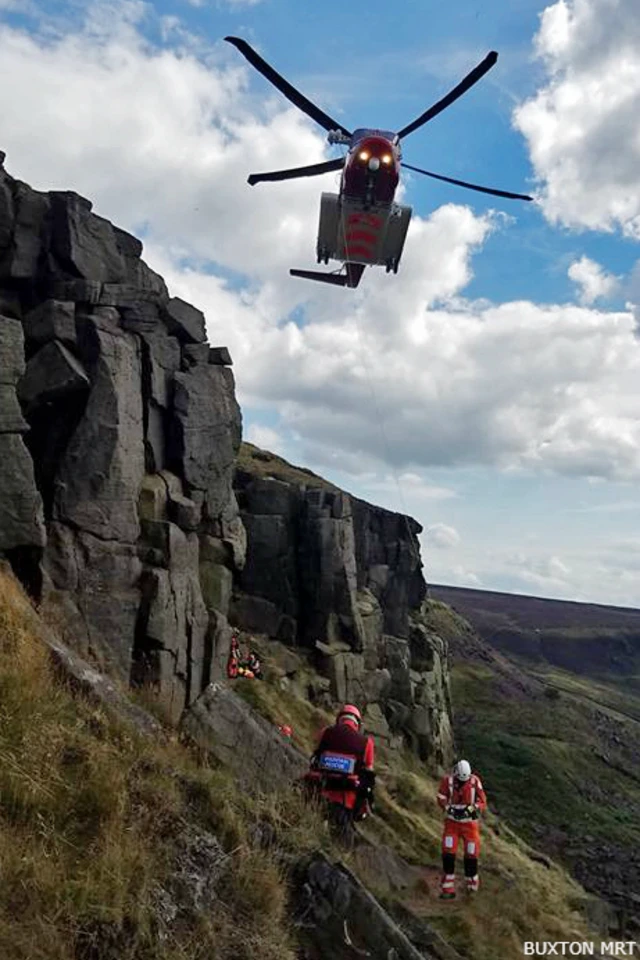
(342, 919)
(260, 757)
(118, 432)
(342, 578)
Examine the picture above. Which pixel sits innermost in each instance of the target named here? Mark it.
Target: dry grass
(90, 817)
(262, 463)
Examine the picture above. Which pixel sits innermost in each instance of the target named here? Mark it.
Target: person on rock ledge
(462, 796)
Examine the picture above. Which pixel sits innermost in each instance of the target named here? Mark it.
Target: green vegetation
(92, 821)
(261, 463)
(444, 621)
(521, 899)
(94, 818)
(543, 763)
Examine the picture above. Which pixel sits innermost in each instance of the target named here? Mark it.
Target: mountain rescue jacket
(341, 762)
(457, 796)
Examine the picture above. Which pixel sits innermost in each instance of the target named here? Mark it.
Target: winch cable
(413, 539)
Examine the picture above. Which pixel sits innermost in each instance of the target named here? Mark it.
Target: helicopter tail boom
(349, 279)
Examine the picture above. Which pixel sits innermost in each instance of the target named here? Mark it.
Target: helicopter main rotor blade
(314, 170)
(470, 186)
(285, 87)
(476, 74)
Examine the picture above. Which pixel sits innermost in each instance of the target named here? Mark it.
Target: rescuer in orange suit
(341, 766)
(462, 796)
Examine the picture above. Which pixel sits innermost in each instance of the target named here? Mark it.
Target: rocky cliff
(331, 573)
(119, 432)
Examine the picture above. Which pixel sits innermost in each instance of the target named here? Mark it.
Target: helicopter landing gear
(392, 265)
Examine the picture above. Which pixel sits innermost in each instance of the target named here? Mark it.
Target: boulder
(51, 320)
(84, 244)
(193, 353)
(220, 356)
(185, 321)
(51, 373)
(225, 725)
(254, 614)
(341, 918)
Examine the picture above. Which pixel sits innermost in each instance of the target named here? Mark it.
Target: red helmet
(350, 712)
(285, 730)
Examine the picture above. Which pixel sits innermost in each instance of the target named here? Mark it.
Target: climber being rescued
(341, 771)
(239, 665)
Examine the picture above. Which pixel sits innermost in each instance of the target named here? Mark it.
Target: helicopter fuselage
(372, 169)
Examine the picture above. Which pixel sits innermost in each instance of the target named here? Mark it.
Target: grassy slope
(261, 463)
(90, 815)
(559, 752)
(521, 899)
(90, 819)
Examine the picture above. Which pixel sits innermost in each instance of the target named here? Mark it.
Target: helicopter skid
(351, 231)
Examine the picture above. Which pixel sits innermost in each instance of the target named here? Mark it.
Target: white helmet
(462, 770)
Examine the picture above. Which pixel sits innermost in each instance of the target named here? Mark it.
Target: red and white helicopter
(362, 225)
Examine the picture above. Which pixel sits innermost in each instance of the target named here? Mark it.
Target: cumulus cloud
(442, 536)
(265, 437)
(581, 127)
(403, 371)
(421, 386)
(593, 282)
(161, 140)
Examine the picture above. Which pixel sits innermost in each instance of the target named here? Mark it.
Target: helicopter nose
(374, 163)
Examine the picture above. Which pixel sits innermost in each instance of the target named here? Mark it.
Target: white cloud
(391, 379)
(402, 371)
(162, 138)
(442, 536)
(266, 438)
(593, 282)
(582, 127)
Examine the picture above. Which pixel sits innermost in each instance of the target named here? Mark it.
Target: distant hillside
(547, 705)
(585, 638)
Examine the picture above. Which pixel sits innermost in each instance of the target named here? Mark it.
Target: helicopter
(362, 225)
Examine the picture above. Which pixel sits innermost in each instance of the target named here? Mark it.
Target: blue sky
(490, 388)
